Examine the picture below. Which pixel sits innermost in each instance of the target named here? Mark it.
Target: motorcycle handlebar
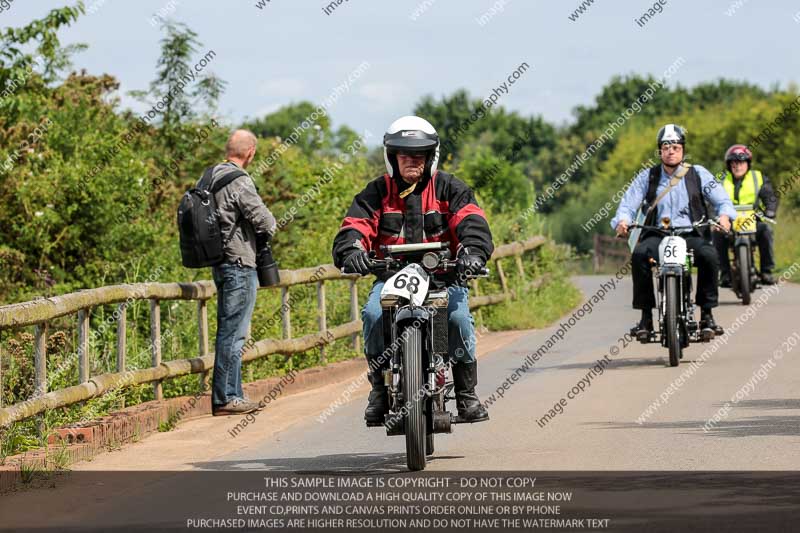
(382, 265)
(676, 229)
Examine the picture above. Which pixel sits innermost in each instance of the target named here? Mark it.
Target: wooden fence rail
(609, 251)
(38, 313)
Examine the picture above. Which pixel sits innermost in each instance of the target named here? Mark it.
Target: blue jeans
(236, 299)
(460, 332)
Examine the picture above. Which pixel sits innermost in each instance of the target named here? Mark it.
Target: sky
(292, 50)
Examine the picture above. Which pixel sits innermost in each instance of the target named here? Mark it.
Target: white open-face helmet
(671, 133)
(411, 134)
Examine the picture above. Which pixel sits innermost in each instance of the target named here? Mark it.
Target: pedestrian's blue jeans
(236, 299)
(461, 325)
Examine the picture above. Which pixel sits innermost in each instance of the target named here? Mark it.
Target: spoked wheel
(415, 429)
(672, 327)
(744, 273)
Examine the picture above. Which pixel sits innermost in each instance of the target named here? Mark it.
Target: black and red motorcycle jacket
(440, 209)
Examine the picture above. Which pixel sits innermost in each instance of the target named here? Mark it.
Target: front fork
(438, 419)
(743, 240)
(688, 325)
(435, 373)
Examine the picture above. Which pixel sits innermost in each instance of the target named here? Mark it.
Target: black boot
(378, 401)
(707, 322)
(644, 329)
(465, 377)
(767, 279)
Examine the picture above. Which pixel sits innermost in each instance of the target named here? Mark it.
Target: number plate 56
(672, 251)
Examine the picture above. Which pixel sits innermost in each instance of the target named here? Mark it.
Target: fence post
(40, 364)
(246, 343)
(155, 343)
(40, 358)
(122, 337)
(1, 368)
(83, 346)
(286, 317)
(202, 337)
(503, 282)
(596, 259)
(520, 267)
(354, 312)
(321, 318)
(480, 310)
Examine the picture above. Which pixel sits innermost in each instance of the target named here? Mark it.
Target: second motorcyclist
(683, 204)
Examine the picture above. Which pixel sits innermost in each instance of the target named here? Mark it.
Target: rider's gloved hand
(357, 262)
(770, 214)
(468, 263)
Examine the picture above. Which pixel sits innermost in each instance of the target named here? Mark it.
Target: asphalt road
(600, 428)
(615, 423)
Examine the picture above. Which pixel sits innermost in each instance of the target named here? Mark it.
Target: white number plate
(410, 283)
(672, 251)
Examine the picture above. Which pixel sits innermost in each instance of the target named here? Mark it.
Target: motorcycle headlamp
(430, 260)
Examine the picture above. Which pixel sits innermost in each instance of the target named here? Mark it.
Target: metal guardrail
(38, 313)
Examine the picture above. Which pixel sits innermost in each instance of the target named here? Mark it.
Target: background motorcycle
(744, 275)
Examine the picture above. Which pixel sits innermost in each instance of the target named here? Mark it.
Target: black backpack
(202, 244)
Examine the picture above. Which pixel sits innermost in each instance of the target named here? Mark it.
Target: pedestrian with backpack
(223, 223)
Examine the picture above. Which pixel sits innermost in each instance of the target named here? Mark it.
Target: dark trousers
(764, 239)
(705, 257)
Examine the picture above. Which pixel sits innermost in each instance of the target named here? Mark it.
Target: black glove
(468, 264)
(357, 263)
(770, 214)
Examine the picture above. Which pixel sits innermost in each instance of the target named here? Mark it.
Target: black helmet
(671, 133)
(411, 134)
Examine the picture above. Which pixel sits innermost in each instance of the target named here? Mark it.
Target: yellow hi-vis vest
(748, 192)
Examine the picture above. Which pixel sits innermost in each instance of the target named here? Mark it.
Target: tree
(295, 121)
(459, 119)
(174, 87)
(500, 184)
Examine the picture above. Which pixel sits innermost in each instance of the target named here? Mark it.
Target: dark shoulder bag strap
(226, 180)
(206, 178)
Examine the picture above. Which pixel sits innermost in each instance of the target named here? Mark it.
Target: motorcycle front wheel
(413, 394)
(671, 325)
(743, 256)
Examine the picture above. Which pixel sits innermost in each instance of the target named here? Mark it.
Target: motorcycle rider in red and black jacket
(414, 202)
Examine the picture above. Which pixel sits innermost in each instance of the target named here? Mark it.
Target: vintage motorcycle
(419, 379)
(744, 275)
(676, 324)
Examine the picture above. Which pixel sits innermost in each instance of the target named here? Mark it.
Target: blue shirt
(675, 204)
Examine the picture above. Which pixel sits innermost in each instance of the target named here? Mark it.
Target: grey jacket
(239, 200)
